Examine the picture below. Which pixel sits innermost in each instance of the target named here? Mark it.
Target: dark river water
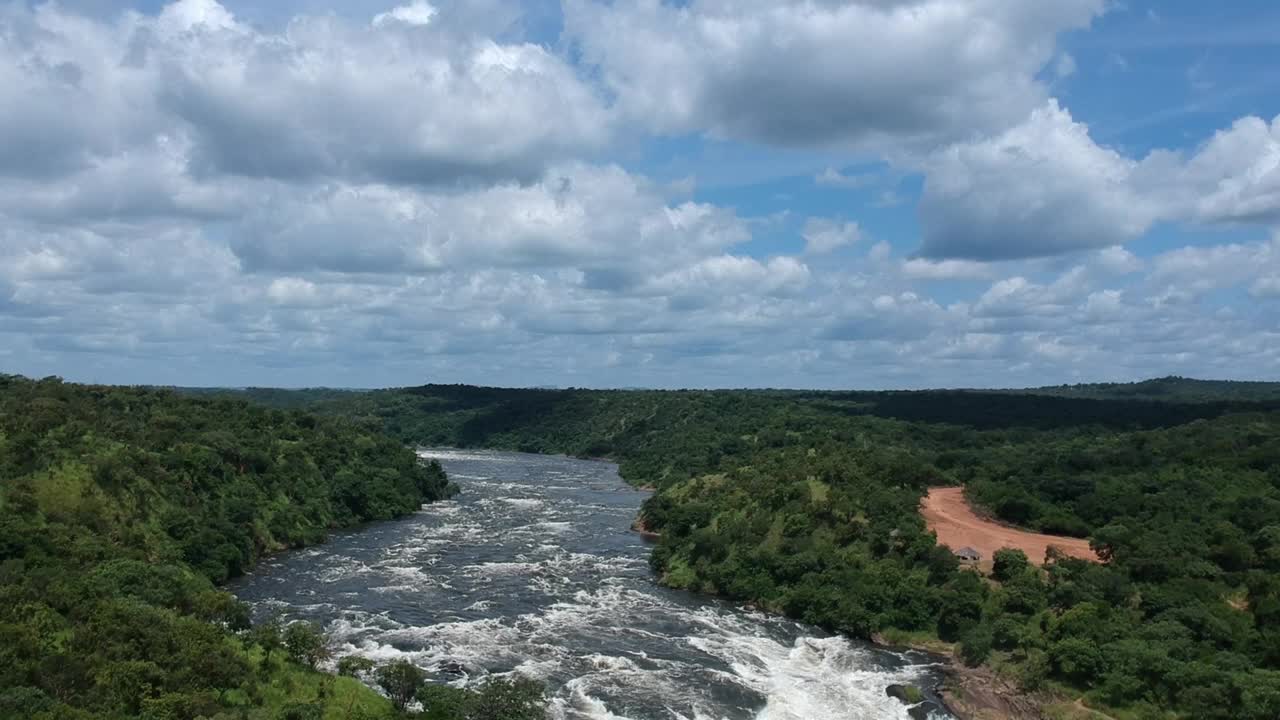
(533, 570)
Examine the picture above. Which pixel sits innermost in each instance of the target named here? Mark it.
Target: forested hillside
(806, 503)
(1169, 389)
(120, 511)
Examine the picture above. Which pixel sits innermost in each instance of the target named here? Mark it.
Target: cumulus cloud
(1194, 270)
(903, 317)
(1041, 188)
(724, 274)
(420, 190)
(1233, 178)
(1266, 287)
(926, 269)
(834, 178)
(846, 73)
(417, 13)
(1044, 187)
(612, 227)
(402, 99)
(824, 235)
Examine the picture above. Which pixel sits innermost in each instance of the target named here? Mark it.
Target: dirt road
(949, 515)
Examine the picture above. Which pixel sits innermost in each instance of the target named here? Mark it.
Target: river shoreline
(967, 693)
(532, 569)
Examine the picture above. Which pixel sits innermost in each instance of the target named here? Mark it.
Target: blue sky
(803, 193)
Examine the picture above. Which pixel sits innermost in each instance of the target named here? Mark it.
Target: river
(533, 569)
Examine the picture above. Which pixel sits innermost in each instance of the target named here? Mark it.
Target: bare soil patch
(948, 514)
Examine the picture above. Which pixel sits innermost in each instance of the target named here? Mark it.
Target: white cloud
(422, 191)
(418, 13)
(722, 274)
(926, 269)
(614, 228)
(1194, 270)
(1235, 177)
(393, 101)
(192, 15)
(1046, 188)
(1266, 287)
(1118, 261)
(834, 178)
(850, 73)
(824, 235)
(1041, 188)
(1064, 66)
(293, 291)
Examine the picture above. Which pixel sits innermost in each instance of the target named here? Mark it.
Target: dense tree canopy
(806, 503)
(120, 510)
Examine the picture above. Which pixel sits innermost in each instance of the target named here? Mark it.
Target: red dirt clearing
(949, 515)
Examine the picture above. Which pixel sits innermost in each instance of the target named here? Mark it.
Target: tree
(1077, 660)
(1008, 563)
(401, 680)
(976, 646)
(302, 711)
(269, 635)
(503, 699)
(306, 644)
(354, 666)
(441, 702)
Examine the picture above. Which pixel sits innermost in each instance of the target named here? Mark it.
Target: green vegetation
(806, 503)
(1170, 389)
(120, 511)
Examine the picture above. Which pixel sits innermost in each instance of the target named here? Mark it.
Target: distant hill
(1168, 389)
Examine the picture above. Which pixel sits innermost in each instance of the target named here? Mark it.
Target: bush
(354, 666)
(306, 644)
(441, 702)
(518, 699)
(1077, 660)
(1007, 633)
(1008, 563)
(401, 680)
(975, 648)
(1034, 671)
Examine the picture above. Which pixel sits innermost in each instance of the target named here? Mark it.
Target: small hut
(969, 555)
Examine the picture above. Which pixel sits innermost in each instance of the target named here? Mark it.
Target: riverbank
(983, 693)
(533, 569)
(641, 526)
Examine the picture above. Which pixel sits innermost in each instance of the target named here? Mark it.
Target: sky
(635, 193)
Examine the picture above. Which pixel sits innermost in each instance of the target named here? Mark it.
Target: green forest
(121, 512)
(805, 503)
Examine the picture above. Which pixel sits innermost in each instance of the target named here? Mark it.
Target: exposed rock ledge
(640, 525)
(980, 694)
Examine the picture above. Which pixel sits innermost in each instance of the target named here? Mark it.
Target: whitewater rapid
(533, 570)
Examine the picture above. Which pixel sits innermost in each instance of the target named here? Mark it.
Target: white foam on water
(816, 679)
(591, 616)
(490, 569)
(558, 527)
(395, 589)
(457, 454)
(415, 576)
(611, 663)
(580, 705)
(524, 503)
(442, 507)
(340, 568)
